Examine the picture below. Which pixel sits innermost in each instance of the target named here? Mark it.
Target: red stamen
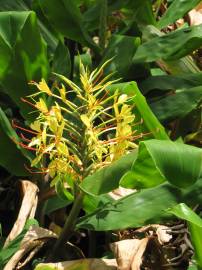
(24, 145)
(99, 76)
(100, 100)
(24, 138)
(35, 172)
(24, 129)
(28, 102)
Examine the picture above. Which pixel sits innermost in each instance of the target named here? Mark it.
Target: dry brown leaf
(129, 253)
(27, 210)
(195, 15)
(33, 240)
(124, 251)
(138, 256)
(83, 264)
(163, 234)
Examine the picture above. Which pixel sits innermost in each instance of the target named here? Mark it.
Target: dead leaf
(33, 240)
(195, 15)
(27, 210)
(83, 264)
(163, 234)
(129, 253)
(138, 256)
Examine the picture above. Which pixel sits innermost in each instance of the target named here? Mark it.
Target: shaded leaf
(11, 154)
(171, 82)
(121, 48)
(172, 46)
(177, 105)
(61, 60)
(67, 20)
(177, 10)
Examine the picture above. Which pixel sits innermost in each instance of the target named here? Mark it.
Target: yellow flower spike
(87, 134)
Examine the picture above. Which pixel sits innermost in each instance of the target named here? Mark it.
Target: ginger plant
(77, 136)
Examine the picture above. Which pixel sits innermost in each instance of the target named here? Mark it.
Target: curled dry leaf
(138, 256)
(129, 253)
(163, 234)
(83, 264)
(33, 240)
(27, 209)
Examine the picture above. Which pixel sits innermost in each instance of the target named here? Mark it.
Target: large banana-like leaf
(23, 55)
(141, 208)
(159, 161)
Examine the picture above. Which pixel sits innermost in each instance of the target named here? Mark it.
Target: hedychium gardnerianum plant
(77, 137)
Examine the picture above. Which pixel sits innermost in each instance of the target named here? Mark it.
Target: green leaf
(177, 105)
(17, 5)
(171, 82)
(182, 211)
(61, 60)
(91, 203)
(12, 154)
(67, 20)
(23, 55)
(177, 10)
(121, 48)
(107, 179)
(160, 161)
(55, 203)
(172, 46)
(141, 208)
(13, 246)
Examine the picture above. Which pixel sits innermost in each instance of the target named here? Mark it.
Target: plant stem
(69, 226)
